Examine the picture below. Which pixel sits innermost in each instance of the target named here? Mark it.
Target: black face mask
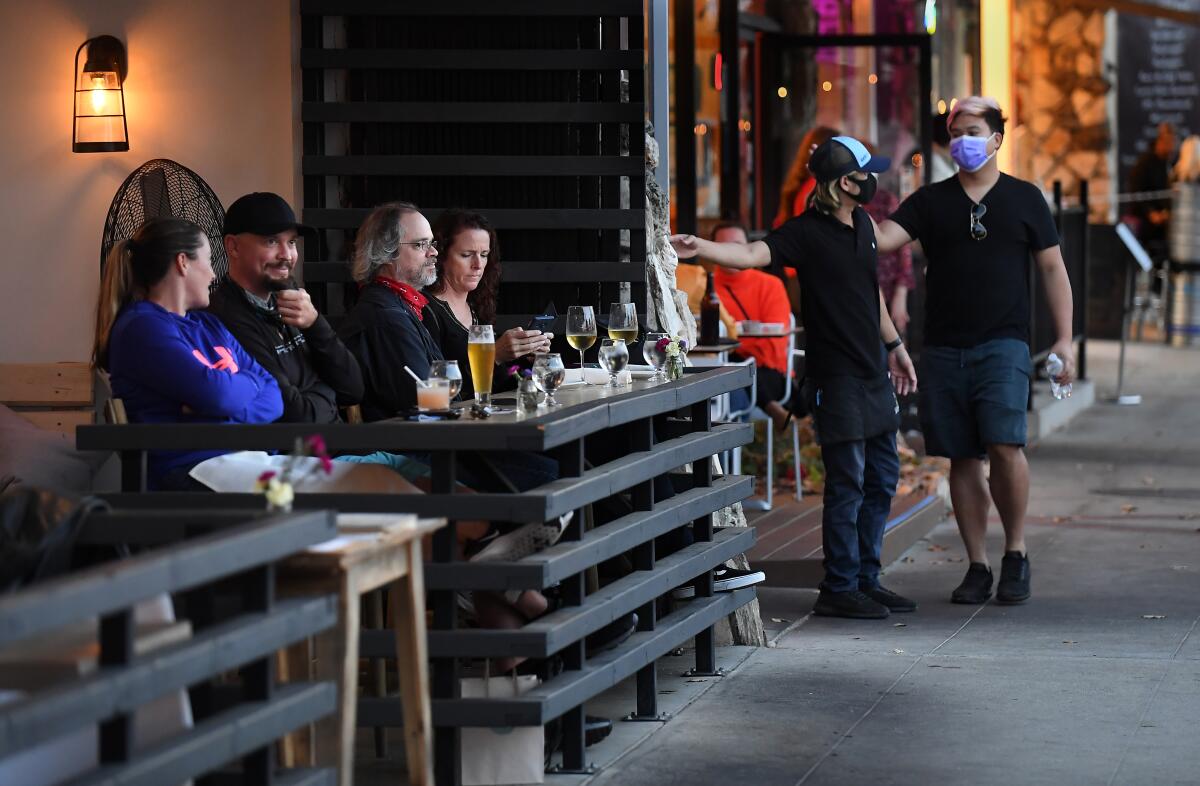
(866, 189)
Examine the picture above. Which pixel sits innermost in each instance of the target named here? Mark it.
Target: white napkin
(594, 376)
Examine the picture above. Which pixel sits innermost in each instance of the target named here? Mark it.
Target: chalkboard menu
(1158, 81)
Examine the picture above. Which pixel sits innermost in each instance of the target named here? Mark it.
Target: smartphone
(542, 322)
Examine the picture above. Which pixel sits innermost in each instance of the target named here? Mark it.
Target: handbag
(502, 755)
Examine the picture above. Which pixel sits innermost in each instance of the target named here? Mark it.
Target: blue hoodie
(161, 362)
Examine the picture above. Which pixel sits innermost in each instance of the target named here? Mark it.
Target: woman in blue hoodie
(169, 361)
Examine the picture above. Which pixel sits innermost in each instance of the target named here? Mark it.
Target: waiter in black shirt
(852, 344)
(978, 230)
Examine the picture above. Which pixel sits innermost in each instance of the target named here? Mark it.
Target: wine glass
(653, 355)
(614, 357)
(448, 370)
(549, 373)
(622, 322)
(481, 354)
(581, 331)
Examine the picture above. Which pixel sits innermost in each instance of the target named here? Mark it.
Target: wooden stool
(373, 551)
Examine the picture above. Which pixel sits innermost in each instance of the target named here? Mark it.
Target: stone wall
(1061, 127)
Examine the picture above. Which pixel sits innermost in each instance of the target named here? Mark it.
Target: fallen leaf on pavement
(900, 625)
(936, 547)
(1154, 616)
(898, 652)
(1149, 481)
(1061, 519)
(1069, 642)
(910, 559)
(954, 559)
(1128, 508)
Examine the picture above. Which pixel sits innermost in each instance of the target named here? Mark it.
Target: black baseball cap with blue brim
(843, 155)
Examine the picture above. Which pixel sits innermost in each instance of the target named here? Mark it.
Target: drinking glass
(447, 370)
(433, 395)
(622, 323)
(481, 353)
(549, 373)
(614, 357)
(653, 355)
(581, 331)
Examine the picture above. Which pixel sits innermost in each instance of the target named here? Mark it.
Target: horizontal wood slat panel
(514, 270)
(46, 384)
(471, 112)
(534, 8)
(505, 166)
(351, 218)
(63, 421)
(476, 59)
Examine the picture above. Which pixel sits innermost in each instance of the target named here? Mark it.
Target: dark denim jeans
(860, 481)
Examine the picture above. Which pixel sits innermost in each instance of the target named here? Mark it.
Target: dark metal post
(731, 163)
(258, 677)
(447, 740)
(116, 649)
(702, 530)
(574, 592)
(643, 559)
(1081, 299)
(685, 118)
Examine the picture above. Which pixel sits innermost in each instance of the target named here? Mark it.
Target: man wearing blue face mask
(978, 230)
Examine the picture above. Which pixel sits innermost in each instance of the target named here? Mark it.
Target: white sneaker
(524, 541)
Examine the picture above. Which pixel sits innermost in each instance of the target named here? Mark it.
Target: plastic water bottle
(1054, 367)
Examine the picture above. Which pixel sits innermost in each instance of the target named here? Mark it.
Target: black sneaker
(854, 605)
(1014, 579)
(976, 586)
(724, 580)
(890, 599)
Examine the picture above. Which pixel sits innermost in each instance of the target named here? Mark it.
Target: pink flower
(266, 476)
(316, 444)
(662, 343)
(514, 370)
(326, 464)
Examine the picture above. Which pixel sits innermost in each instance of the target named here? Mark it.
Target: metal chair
(755, 413)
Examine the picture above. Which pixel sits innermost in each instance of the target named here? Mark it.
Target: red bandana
(415, 300)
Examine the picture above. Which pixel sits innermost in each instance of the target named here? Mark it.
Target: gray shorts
(972, 398)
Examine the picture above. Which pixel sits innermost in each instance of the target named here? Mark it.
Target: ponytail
(134, 266)
(116, 292)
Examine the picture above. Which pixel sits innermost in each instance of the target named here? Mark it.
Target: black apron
(849, 409)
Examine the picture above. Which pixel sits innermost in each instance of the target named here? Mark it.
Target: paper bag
(503, 755)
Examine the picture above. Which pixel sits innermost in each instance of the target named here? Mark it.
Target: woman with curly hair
(464, 294)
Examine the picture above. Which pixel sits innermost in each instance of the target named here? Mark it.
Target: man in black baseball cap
(275, 320)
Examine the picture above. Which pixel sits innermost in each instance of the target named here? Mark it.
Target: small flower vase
(527, 395)
(674, 366)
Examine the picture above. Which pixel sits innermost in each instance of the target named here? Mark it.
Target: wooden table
(372, 551)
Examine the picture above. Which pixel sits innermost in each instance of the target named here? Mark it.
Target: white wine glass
(581, 331)
(549, 373)
(623, 323)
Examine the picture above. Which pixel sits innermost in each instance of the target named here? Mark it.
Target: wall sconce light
(99, 125)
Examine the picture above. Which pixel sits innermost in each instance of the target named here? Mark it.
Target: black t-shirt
(978, 290)
(839, 291)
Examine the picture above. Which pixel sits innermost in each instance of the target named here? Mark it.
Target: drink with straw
(481, 352)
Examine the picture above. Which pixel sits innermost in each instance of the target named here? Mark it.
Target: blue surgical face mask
(970, 152)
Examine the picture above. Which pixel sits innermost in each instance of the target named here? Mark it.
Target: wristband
(893, 344)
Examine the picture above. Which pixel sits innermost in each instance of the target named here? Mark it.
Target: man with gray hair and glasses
(394, 257)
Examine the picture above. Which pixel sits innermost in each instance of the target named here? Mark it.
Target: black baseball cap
(261, 213)
(843, 155)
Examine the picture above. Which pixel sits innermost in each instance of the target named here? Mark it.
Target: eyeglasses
(422, 245)
(978, 230)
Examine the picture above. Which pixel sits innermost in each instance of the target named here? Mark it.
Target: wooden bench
(53, 396)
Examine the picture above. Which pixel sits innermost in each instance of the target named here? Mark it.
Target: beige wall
(210, 85)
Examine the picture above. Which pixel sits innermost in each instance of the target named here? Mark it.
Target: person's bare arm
(900, 365)
(737, 255)
(890, 236)
(1058, 294)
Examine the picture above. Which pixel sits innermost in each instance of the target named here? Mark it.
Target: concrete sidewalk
(1095, 680)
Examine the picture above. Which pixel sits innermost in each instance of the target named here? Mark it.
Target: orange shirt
(752, 294)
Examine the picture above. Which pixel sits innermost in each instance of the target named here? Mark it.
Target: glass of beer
(481, 352)
(622, 323)
(581, 331)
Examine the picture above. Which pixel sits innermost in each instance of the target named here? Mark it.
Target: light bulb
(97, 92)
